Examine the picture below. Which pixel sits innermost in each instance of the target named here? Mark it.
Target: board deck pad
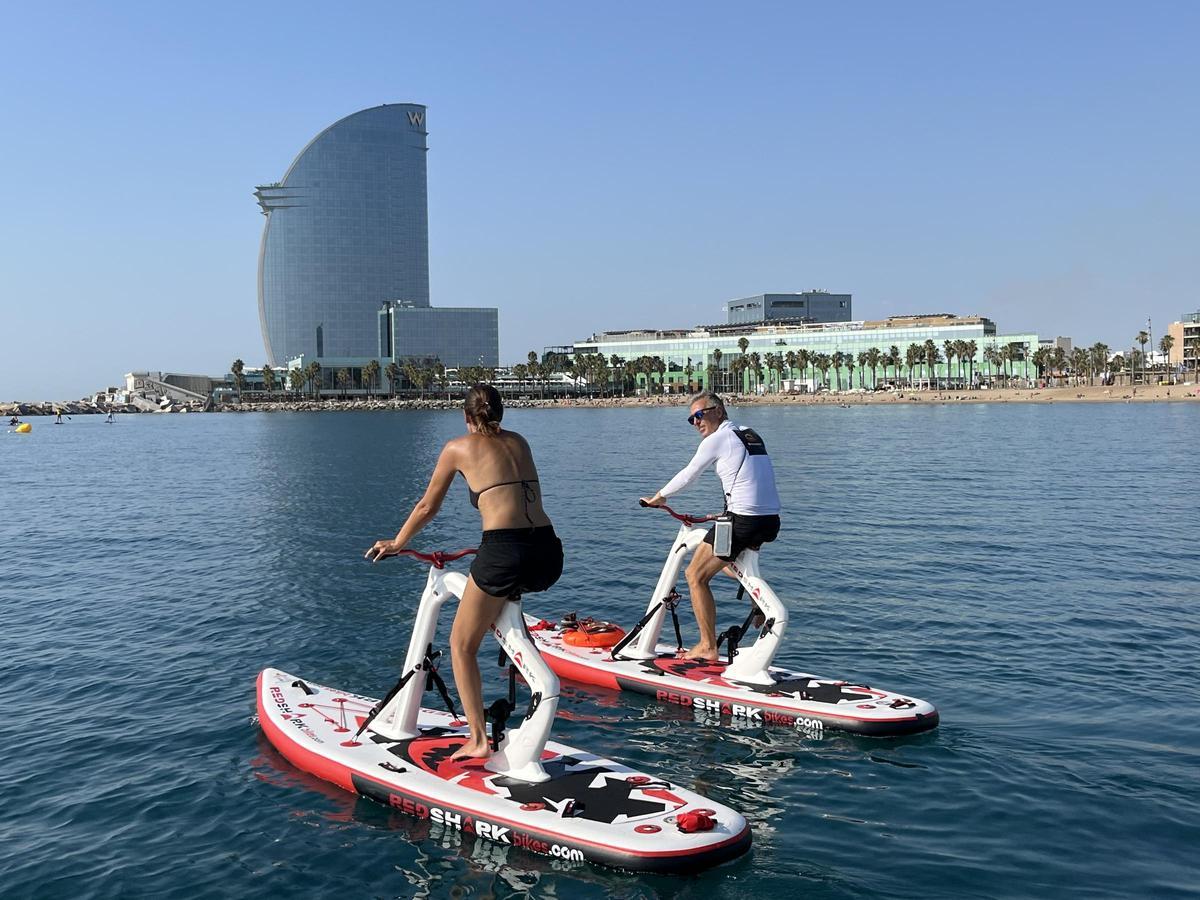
(591, 809)
(796, 699)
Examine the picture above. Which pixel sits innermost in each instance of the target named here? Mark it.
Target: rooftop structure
(808, 306)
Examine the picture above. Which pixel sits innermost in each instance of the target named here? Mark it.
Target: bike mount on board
(750, 664)
(519, 750)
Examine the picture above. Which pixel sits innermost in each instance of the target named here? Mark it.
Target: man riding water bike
(748, 479)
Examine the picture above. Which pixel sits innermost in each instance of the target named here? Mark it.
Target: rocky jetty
(66, 407)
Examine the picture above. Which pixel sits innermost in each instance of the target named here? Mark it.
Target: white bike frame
(751, 665)
(520, 752)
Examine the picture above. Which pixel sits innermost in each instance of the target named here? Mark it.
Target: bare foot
(700, 651)
(472, 750)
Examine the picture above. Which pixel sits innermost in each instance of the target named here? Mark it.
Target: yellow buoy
(24, 428)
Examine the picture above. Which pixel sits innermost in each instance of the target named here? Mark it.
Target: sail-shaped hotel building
(347, 234)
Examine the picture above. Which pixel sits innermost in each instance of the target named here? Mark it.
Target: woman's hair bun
(484, 408)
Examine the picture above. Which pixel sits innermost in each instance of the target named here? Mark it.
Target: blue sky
(602, 166)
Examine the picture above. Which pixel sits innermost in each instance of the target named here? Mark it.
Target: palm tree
(737, 368)
(1041, 359)
(838, 358)
(949, 349)
(970, 348)
(617, 364)
(237, 368)
(1143, 338)
(442, 376)
(412, 374)
(989, 357)
(297, 378)
(960, 352)
(1081, 359)
(343, 379)
(873, 363)
(369, 373)
(932, 357)
(716, 355)
(912, 354)
(803, 361)
(1165, 346)
(1099, 354)
(268, 379)
(821, 362)
(392, 371)
(894, 353)
(755, 365)
(864, 362)
(789, 360)
(777, 363)
(314, 378)
(1058, 357)
(743, 343)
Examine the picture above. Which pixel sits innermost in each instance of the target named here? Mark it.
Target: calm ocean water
(1031, 569)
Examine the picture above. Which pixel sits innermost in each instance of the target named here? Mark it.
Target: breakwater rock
(66, 407)
(443, 403)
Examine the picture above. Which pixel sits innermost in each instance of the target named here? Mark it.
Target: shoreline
(1082, 394)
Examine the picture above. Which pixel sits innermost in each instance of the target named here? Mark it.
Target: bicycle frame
(750, 664)
(520, 752)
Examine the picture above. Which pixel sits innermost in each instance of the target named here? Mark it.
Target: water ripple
(1030, 569)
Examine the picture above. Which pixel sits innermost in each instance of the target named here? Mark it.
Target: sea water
(1031, 569)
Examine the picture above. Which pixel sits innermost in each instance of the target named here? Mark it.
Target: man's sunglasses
(698, 415)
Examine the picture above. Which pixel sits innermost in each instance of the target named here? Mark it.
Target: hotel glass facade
(681, 349)
(456, 336)
(347, 228)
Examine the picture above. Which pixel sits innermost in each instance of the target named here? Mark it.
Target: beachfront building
(833, 355)
(455, 336)
(1185, 343)
(809, 306)
(347, 230)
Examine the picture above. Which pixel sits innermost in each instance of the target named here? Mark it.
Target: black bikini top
(526, 486)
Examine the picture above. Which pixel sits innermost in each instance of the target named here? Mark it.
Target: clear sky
(602, 166)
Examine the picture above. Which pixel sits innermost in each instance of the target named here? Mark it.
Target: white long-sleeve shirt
(752, 493)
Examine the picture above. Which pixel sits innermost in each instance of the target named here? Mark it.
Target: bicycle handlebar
(438, 558)
(682, 517)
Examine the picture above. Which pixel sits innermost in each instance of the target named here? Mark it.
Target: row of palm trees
(596, 373)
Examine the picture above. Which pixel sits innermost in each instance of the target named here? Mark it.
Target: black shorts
(749, 532)
(515, 561)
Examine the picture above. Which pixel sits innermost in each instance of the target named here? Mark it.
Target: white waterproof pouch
(723, 535)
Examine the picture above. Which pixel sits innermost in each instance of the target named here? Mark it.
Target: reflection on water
(1031, 570)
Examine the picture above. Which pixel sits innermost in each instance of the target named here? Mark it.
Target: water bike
(532, 793)
(743, 685)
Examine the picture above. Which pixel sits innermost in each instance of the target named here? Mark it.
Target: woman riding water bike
(519, 552)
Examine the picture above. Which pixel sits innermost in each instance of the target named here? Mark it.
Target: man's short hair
(709, 399)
